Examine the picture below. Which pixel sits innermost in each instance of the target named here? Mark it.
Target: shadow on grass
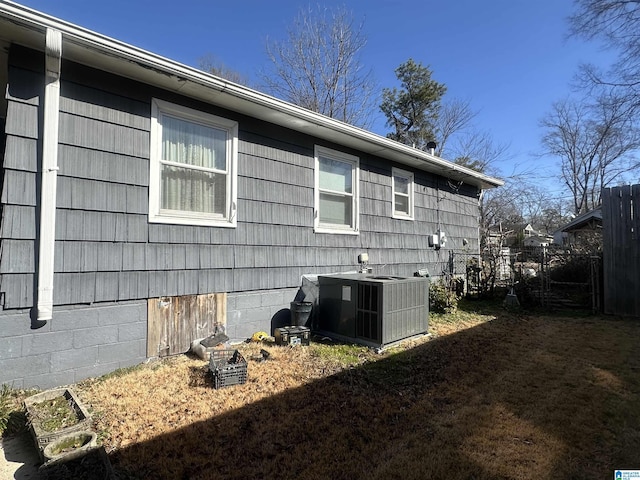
(516, 397)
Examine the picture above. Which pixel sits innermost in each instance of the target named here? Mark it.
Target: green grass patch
(120, 372)
(343, 354)
(469, 312)
(71, 443)
(55, 414)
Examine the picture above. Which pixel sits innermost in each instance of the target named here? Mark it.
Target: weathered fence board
(621, 249)
(174, 322)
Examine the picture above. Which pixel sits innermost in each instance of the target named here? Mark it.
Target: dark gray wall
(107, 252)
(80, 343)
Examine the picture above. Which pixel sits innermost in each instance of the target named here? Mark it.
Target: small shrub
(6, 407)
(12, 415)
(527, 289)
(55, 414)
(575, 268)
(441, 298)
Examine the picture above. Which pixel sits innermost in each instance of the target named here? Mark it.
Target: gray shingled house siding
(19, 186)
(83, 340)
(108, 256)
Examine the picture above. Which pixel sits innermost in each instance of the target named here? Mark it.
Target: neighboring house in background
(525, 235)
(146, 203)
(585, 230)
(516, 235)
(494, 237)
(526, 230)
(538, 241)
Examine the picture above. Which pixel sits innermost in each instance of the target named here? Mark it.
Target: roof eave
(581, 220)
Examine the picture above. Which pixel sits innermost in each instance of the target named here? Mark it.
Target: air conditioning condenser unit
(373, 310)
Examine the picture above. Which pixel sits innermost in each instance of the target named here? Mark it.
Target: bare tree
(514, 203)
(617, 24)
(317, 66)
(420, 117)
(477, 150)
(454, 118)
(551, 217)
(594, 143)
(497, 208)
(211, 64)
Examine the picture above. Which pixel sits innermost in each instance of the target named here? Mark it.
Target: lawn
(492, 395)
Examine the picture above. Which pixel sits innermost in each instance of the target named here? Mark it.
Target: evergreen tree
(412, 110)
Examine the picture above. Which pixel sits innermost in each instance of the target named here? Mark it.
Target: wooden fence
(621, 249)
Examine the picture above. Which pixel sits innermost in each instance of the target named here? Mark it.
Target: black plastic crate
(293, 335)
(228, 367)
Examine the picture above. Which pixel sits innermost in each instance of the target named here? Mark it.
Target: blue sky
(509, 58)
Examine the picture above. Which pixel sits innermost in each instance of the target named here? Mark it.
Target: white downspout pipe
(53, 57)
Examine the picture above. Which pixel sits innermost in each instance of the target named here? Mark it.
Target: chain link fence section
(549, 277)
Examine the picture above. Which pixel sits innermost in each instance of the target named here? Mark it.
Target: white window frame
(158, 215)
(354, 161)
(396, 172)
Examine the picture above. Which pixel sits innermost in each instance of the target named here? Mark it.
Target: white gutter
(53, 57)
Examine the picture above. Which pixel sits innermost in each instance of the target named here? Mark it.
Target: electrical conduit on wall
(48, 186)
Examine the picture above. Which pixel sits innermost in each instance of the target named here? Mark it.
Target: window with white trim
(336, 191)
(192, 177)
(402, 190)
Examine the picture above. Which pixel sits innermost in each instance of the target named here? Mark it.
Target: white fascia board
(99, 51)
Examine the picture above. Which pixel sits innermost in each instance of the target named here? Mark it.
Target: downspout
(53, 57)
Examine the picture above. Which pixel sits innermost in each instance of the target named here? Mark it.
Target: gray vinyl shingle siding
(102, 196)
(106, 250)
(19, 222)
(20, 163)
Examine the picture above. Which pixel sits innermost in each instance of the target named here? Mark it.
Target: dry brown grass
(516, 397)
